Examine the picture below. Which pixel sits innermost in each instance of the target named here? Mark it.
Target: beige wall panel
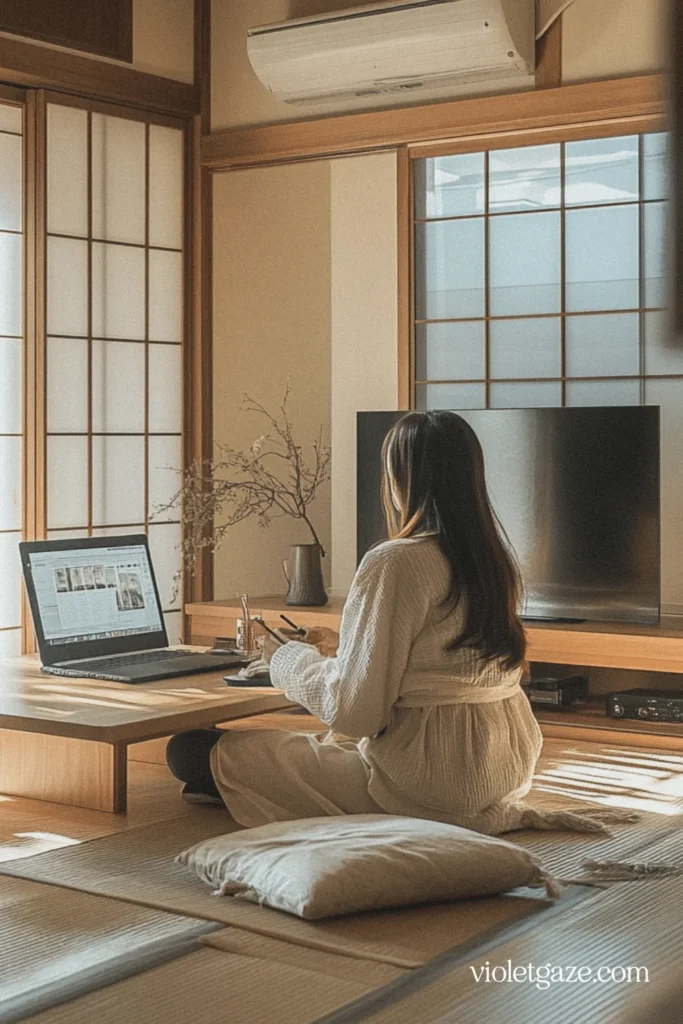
(163, 38)
(271, 321)
(364, 327)
(611, 38)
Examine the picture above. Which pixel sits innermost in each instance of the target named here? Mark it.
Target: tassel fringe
(629, 871)
(593, 819)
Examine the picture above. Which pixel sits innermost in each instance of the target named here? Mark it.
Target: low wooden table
(66, 740)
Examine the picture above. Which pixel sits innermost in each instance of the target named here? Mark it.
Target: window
(114, 332)
(540, 275)
(101, 338)
(540, 280)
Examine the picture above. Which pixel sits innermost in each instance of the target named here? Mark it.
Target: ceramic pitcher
(304, 575)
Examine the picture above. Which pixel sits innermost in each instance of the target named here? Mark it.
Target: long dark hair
(433, 470)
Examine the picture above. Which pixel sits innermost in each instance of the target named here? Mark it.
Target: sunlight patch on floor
(32, 843)
(616, 778)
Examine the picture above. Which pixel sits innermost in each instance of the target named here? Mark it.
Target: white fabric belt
(447, 690)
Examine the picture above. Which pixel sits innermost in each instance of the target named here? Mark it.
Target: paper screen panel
(165, 296)
(10, 385)
(118, 179)
(67, 385)
(67, 482)
(118, 387)
(118, 291)
(67, 287)
(11, 118)
(10, 475)
(165, 187)
(10, 643)
(118, 480)
(11, 282)
(67, 171)
(10, 572)
(11, 212)
(165, 389)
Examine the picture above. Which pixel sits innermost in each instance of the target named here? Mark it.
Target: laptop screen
(94, 593)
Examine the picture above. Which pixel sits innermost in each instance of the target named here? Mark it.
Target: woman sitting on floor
(427, 673)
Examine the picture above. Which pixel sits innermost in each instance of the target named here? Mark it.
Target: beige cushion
(325, 867)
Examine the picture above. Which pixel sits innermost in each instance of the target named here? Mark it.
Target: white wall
(364, 327)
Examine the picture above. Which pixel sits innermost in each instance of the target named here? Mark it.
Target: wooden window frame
(614, 127)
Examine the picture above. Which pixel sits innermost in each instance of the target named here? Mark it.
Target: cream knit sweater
(445, 735)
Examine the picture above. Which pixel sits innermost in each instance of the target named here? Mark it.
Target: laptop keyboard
(103, 665)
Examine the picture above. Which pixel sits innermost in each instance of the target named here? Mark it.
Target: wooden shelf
(592, 723)
(656, 648)
(647, 648)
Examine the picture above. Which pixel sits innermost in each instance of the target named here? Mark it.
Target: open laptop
(96, 612)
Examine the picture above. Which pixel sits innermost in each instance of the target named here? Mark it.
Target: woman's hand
(323, 638)
(270, 646)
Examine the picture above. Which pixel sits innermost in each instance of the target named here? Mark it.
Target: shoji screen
(114, 285)
(11, 334)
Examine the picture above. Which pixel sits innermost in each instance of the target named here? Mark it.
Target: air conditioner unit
(404, 47)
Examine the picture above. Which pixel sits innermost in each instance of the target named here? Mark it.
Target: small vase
(305, 576)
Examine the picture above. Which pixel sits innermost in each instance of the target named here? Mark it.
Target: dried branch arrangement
(272, 478)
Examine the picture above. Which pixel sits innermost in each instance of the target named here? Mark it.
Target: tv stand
(616, 645)
(548, 618)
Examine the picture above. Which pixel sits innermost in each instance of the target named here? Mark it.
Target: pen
(276, 636)
(297, 629)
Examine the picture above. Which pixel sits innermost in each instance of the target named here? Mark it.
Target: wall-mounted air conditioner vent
(404, 47)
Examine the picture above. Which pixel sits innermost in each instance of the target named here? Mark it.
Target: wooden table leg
(82, 773)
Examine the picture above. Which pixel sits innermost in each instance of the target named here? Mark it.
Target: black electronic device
(646, 705)
(577, 492)
(260, 679)
(97, 613)
(557, 694)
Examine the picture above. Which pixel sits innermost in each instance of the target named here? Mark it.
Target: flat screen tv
(577, 492)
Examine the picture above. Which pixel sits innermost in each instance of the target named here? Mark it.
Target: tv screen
(577, 492)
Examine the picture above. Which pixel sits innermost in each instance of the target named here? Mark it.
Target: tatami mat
(56, 943)
(633, 925)
(242, 943)
(209, 987)
(138, 866)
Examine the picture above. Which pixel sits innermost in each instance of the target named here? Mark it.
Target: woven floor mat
(138, 867)
(635, 925)
(209, 987)
(56, 943)
(577, 776)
